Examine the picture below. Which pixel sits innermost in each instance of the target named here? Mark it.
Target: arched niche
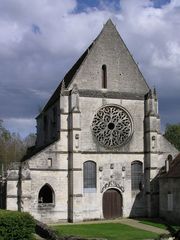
(46, 195)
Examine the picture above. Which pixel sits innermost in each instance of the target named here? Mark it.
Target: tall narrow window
(170, 201)
(136, 175)
(46, 194)
(104, 76)
(89, 171)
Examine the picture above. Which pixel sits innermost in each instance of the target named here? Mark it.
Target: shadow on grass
(174, 230)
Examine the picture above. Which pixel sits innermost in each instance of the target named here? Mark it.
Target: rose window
(112, 126)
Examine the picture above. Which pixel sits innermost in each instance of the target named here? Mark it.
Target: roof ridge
(109, 21)
(70, 75)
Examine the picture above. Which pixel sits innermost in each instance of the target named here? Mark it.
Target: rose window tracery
(112, 126)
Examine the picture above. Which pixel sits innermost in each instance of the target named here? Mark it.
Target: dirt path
(137, 224)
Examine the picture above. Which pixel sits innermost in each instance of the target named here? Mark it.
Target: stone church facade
(99, 146)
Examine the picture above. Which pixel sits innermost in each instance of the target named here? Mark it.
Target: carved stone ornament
(112, 126)
(112, 184)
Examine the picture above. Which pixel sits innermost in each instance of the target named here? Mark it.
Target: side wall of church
(170, 199)
(50, 166)
(47, 167)
(48, 125)
(57, 210)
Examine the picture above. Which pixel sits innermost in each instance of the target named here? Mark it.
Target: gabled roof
(72, 72)
(174, 170)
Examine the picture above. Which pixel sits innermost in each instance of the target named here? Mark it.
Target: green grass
(110, 231)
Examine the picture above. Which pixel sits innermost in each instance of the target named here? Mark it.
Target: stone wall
(170, 205)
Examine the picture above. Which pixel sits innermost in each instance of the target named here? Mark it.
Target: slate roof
(67, 79)
(31, 151)
(174, 170)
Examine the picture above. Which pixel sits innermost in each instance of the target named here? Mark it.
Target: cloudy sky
(41, 39)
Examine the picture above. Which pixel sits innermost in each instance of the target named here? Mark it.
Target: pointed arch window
(136, 175)
(46, 195)
(89, 175)
(104, 76)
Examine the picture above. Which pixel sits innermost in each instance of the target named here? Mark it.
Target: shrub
(16, 225)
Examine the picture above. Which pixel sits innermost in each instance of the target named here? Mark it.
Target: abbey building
(99, 148)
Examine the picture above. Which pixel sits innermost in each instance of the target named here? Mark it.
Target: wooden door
(112, 204)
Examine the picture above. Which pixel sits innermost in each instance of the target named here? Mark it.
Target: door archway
(112, 204)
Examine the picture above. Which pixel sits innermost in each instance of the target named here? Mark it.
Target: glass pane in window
(89, 174)
(136, 175)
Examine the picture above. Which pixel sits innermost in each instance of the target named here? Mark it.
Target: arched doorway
(112, 204)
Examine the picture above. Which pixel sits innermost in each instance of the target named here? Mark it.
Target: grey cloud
(40, 42)
(153, 36)
(20, 125)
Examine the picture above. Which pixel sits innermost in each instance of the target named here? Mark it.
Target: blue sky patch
(115, 4)
(36, 29)
(160, 3)
(83, 5)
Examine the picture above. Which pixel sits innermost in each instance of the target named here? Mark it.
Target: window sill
(46, 205)
(89, 190)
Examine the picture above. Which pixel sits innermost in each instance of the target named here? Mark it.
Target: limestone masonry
(99, 146)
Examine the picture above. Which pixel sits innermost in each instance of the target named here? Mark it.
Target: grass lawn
(110, 231)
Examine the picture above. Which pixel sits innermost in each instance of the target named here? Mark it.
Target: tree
(12, 147)
(172, 134)
(30, 140)
(5, 137)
